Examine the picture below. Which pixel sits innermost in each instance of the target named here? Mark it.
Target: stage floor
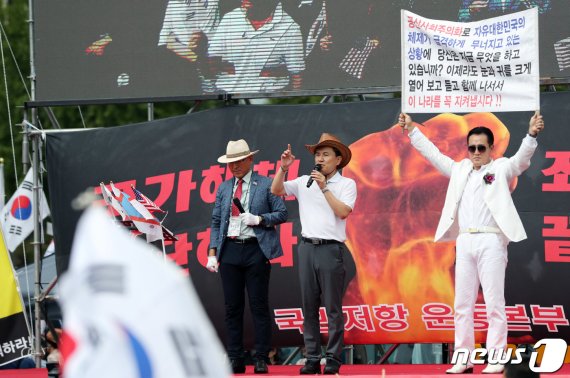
(24, 373)
(399, 371)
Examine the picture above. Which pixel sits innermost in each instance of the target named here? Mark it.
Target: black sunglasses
(477, 147)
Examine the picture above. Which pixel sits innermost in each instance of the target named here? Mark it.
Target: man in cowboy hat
(243, 241)
(323, 209)
(479, 214)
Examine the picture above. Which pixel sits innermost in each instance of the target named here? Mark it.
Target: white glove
(249, 219)
(212, 264)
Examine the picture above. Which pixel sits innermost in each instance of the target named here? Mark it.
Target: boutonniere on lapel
(489, 178)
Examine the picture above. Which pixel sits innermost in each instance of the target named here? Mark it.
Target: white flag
(112, 201)
(150, 226)
(129, 313)
(17, 216)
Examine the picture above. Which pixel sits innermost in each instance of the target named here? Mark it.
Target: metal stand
(150, 111)
(36, 243)
(290, 357)
(387, 354)
(39, 296)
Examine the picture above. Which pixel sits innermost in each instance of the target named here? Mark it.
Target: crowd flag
(112, 201)
(136, 211)
(129, 315)
(146, 202)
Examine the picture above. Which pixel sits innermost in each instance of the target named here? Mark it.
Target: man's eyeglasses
(477, 147)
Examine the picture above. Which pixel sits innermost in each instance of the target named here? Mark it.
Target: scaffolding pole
(36, 244)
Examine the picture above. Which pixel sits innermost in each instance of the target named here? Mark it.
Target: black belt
(243, 241)
(316, 241)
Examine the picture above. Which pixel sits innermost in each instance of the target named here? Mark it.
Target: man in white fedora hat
(243, 240)
(326, 199)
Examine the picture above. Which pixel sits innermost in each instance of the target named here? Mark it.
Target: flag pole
(35, 165)
(36, 244)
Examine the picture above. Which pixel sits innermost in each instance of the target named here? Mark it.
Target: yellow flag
(10, 302)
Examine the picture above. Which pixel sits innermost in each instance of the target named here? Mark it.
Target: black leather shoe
(260, 367)
(311, 367)
(238, 366)
(332, 367)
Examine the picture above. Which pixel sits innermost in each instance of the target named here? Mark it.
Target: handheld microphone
(317, 168)
(237, 202)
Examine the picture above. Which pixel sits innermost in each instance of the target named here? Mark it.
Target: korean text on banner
(485, 66)
(14, 334)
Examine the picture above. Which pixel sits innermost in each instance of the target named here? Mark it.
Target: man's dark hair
(482, 130)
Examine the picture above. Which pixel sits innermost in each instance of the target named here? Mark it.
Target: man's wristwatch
(532, 136)
(260, 219)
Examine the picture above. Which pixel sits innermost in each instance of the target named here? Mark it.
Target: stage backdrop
(109, 50)
(402, 289)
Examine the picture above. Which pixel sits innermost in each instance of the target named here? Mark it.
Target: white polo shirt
(278, 43)
(183, 18)
(317, 217)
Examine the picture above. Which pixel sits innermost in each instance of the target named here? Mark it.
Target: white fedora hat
(236, 150)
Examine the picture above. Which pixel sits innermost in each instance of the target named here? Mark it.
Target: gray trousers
(322, 277)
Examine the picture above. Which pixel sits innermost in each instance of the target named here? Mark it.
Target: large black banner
(109, 50)
(403, 287)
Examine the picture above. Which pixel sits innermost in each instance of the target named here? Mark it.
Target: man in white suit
(480, 215)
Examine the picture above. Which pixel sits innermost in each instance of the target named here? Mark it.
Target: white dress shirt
(245, 231)
(472, 211)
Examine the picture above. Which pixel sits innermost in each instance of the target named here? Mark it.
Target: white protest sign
(485, 66)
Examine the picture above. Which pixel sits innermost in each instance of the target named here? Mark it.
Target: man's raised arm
(287, 159)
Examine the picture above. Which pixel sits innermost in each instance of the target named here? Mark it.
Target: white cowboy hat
(235, 151)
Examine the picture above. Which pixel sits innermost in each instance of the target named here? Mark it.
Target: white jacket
(497, 195)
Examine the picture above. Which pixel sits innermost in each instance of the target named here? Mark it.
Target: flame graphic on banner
(400, 197)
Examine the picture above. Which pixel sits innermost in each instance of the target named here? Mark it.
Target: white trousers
(480, 259)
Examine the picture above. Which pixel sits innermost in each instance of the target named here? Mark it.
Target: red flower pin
(489, 178)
